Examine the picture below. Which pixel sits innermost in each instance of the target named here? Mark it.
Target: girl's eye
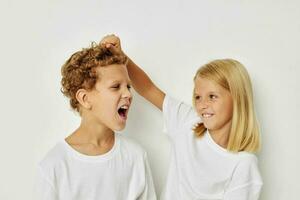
(212, 96)
(197, 97)
(129, 87)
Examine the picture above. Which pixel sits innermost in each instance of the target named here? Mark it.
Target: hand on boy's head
(112, 43)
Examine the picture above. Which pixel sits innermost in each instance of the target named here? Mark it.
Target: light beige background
(170, 39)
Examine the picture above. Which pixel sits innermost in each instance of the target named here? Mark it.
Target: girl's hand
(113, 43)
(140, 80)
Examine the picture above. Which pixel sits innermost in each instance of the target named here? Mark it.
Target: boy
(94, 162)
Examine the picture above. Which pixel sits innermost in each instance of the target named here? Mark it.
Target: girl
(214, 141)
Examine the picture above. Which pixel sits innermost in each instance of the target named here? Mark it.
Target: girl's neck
(221, 136)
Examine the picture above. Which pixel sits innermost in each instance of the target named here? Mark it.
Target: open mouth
(207, 115)
(122, 111)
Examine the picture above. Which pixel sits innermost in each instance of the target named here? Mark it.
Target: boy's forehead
(111, 69)
(116, 71)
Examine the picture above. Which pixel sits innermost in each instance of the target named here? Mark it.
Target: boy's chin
(119, 128)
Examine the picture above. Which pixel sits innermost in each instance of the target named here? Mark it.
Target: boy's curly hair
(79, 71)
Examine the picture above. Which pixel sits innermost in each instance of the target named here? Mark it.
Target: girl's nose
(204, 104)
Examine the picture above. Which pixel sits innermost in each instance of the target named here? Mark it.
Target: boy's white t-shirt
(200, 169)
(123, 173)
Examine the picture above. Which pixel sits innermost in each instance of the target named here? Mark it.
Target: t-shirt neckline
(214, 145)
(98, 158)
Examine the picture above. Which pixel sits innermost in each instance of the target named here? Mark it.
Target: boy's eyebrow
(118, 81)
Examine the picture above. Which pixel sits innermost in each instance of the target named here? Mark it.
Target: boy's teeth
(124, 107)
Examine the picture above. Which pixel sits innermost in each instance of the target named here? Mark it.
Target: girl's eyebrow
(213, 92)
(210, 92)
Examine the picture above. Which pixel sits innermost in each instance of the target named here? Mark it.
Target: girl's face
(111, 98)
(213, 104)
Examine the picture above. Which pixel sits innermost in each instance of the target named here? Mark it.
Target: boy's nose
(127, 94)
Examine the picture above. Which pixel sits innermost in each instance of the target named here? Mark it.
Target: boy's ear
(82, 98)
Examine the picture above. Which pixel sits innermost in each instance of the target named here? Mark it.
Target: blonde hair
(232, 75)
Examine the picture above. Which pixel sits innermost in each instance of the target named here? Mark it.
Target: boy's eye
(197, 97)
(116, 86)
(129, 87)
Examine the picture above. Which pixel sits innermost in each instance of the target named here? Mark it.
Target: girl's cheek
(198, 112)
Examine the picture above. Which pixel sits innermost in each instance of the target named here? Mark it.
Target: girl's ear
(83, 98)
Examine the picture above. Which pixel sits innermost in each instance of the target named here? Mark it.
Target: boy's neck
(91, 133)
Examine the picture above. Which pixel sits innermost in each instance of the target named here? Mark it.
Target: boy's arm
(140, 80)
(44, 190)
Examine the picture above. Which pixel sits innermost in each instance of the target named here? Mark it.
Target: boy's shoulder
(131, 147)
(53, 157)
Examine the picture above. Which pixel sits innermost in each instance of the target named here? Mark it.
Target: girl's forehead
(206, 83)
(208, 86)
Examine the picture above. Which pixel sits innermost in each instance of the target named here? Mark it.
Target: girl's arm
(140, 80)
(144, 85)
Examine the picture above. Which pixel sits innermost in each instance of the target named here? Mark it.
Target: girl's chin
(208, 126)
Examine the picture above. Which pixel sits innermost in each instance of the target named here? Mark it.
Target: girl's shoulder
(178, 114)
(247, 170)
(247, 157)
(247, 162)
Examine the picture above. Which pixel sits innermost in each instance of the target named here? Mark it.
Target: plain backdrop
(169, 39)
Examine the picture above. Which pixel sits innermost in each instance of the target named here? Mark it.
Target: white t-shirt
(200, 169)
(123, 173)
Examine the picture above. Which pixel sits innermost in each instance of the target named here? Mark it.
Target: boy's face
(213, 104)
(111, 98)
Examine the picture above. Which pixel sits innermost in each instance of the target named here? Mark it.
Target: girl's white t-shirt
(200, 169)
(123, 173)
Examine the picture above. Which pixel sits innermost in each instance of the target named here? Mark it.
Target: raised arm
(140, 80)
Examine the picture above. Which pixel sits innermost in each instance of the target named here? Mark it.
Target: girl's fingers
(112, 48)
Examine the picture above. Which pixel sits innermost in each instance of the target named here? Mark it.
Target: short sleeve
(149, 190)
(176, 114)
(44, 189)
(250, 191)
(246, 181)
